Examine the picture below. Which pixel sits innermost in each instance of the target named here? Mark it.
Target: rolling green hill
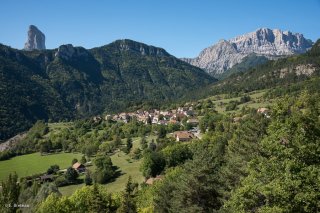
(73, 82)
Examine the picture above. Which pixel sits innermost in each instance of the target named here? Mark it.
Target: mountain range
(73, 82)
(272, 44)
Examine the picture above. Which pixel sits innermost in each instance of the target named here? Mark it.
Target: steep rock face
(218, 57)
(36, 39)
(264, 42)
(271, 42)
(68, 51)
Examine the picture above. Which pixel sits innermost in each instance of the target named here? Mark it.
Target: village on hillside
(166, 117)
(162, 117)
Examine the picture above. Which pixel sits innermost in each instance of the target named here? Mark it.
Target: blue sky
(182, 27)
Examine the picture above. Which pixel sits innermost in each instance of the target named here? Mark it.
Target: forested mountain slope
(71, 82)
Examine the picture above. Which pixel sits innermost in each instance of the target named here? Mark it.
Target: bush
(136, 154)
(6, 155)
(53, 169)
(61, 181)
(105, 170)
(245, 99)
(71, 175)
(88, 178)
(232, 105)
(153, 164)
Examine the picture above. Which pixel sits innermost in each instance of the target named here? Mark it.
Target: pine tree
(9, 194)
(127, 201)
(98, 204)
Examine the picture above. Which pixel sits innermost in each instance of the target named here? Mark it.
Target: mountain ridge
(223, 55)
(73, 82)
(280, 73)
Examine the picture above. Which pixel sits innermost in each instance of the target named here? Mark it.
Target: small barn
(79, 167)
(183, 136)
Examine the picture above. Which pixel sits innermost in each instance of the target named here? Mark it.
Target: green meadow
(127, 167)
(30, 164)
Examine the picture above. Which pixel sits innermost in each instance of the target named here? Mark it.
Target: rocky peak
(68, 51)
(223, 55)
(36, 39)
(271, 42)
(143, 49)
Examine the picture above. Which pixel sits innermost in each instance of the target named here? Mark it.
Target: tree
(284, 177)
(53, 169)
(46, 146)
(86, 199)
(9, 194)
(97, 203)
(117, 141)
(153, 164)
(176, 154)
(245, 99)
(91, 149)
(88, 178)
(127, 201)
(162, 132)
(143, 143)
(61, 181)
(71, 175)
(152, 146)
(128, 145)
(198, 187)
(105, 170)
(137, 153)
(45, 190)
(149, 120)
(232, 105)
(54, 203)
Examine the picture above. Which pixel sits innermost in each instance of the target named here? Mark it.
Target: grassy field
(256, 101)
(55, 128)
(26, 165)
(127, 166)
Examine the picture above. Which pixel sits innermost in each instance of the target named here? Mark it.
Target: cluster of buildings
(154, 116)
(162, 117)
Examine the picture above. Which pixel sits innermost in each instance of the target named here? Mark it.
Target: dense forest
(72, 82)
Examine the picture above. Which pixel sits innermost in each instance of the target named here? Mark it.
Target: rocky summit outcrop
(36, 39)
(68, 51)
(275, 43)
